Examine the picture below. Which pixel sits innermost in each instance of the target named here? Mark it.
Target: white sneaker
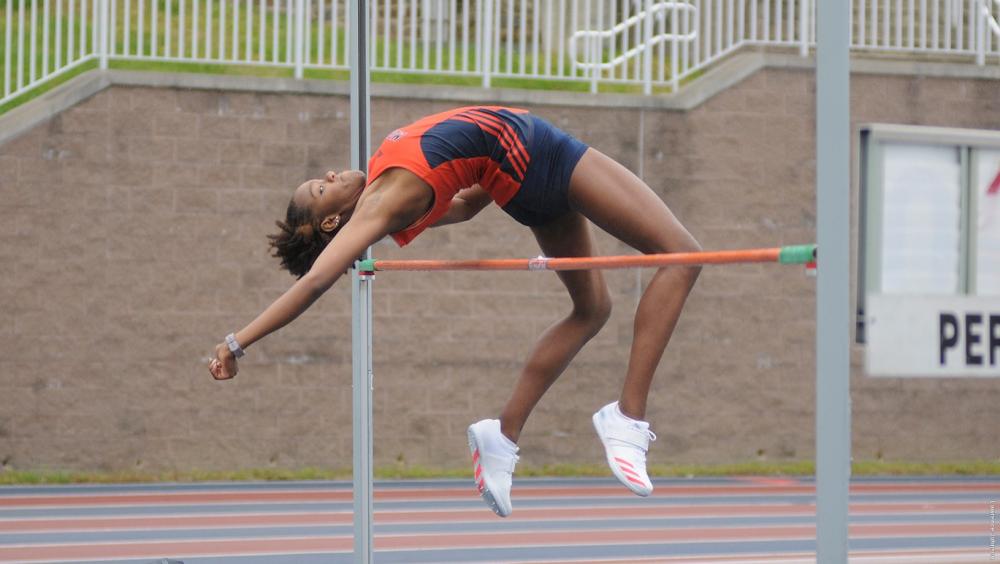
(493, 459)
(625, 442)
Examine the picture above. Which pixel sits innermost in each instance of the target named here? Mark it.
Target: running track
(584, 520)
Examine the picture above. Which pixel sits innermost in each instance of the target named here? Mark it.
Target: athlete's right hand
(223, 366)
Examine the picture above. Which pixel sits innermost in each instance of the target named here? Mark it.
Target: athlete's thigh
(570, 236)
(619, 202)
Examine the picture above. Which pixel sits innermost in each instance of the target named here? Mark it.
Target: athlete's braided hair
(300, 240)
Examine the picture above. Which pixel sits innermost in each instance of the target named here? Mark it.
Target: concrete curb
(50, 104)
(719, 78)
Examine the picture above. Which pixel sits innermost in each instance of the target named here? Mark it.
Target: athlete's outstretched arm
(465, 205)
(361, 232)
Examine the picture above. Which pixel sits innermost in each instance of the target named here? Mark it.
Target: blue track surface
(555, 520)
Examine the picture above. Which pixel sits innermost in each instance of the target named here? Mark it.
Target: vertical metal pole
(20, 44)
(675, 81)
(362, 413)
(45, 38)
(300, 37)
(104, 34)
(647, 51)
(33, 41)
(833, 409)
(981, 32)
(8, 16)
(487, 46)
(804, 14)
(361, 294)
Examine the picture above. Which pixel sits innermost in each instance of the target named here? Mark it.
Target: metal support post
(300, 38)
(361, 344)
(833, 409)
(361, 295)
(103, 34)
(487, 47)
(647, 49)
(984, 12)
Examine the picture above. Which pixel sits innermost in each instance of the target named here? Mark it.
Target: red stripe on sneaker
(623, 461)
(635, 481)
(475, 456)
(629, 472)
(482, 485)
(479, 471)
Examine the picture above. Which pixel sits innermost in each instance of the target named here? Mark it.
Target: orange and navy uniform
(452, 150)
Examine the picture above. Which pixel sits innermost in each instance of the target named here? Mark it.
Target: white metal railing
(647, 43)
(653, 21)
(991, 19)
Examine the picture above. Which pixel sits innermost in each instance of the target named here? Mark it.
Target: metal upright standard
(833, 409)
(361, 296)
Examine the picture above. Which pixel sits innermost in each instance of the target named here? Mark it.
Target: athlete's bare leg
(623, 205)
(568, 236)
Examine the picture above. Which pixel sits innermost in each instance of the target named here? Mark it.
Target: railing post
(981, 32)
(300, 37)
(102, 31)
(647, 48)
(804, 13)
(7, 16)
(675, 81)
(487, 46)
(594, 46)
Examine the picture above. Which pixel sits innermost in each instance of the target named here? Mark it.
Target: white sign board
(921, 222)
(933, 335)
(987, 187)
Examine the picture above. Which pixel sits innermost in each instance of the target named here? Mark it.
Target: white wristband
(234, 347)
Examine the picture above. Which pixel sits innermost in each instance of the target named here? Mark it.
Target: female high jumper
(446, 168)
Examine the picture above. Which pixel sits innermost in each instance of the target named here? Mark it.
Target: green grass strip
(46, 86)
(748, 468)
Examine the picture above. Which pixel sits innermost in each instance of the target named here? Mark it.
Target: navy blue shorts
(544, 193)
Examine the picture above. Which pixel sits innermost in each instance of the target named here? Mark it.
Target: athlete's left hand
(223, 366)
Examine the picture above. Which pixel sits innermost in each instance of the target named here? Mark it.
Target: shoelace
(647, 430)
(513, 463)
(652, 437)
(639, 430)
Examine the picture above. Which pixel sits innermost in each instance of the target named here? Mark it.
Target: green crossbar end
(797, 254)
(366, 265)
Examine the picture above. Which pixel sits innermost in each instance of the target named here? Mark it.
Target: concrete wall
(133, 232)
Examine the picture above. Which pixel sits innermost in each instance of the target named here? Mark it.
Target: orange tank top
(452, 150)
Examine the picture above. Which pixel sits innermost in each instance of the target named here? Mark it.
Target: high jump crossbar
(793, 254)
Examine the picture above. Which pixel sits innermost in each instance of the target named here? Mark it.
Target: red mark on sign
(994, 188)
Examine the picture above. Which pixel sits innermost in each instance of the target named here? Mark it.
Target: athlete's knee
(594, 311)
(693, 246)
(685, 244)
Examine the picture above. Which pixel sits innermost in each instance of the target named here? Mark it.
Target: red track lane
(176, 549)
(909, 556)
(292, 545)
(318, 496)
(330, 518)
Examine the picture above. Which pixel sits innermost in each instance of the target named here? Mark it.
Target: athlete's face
(331, 198)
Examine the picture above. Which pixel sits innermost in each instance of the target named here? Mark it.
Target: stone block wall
(133, 230)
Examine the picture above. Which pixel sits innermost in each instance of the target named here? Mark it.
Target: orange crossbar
(588, 263)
